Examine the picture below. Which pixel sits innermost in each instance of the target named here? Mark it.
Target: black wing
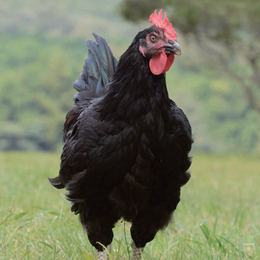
(183, 135)
(96, 156)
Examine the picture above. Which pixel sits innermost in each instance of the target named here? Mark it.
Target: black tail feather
(99, 67)
(56, 182)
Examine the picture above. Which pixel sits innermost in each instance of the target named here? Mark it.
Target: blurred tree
(36, 89)
(226, 32)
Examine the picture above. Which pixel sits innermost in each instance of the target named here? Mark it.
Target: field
(218, 217)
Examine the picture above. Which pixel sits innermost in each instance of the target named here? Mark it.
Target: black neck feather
(134, 90)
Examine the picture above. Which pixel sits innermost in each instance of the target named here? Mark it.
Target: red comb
(164, 24)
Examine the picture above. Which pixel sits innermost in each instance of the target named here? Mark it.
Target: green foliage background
(42, 53)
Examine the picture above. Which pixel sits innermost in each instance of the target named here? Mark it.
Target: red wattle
(161, 63)
(157, 63)
(170, 60)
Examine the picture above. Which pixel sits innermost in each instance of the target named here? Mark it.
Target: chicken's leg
(100, 232)
(103, 255)
(136, 251)
(145, 226)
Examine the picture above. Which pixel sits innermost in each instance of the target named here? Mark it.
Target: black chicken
(126, 143)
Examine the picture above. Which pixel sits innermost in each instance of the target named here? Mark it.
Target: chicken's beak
(172, 48)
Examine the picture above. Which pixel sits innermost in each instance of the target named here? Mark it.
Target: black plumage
(126, 144)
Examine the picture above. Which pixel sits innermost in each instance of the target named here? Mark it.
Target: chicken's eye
(153, 38)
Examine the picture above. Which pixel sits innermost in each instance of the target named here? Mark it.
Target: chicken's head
(160, 44)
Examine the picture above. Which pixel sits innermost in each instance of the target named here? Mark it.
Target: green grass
(218, 217)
